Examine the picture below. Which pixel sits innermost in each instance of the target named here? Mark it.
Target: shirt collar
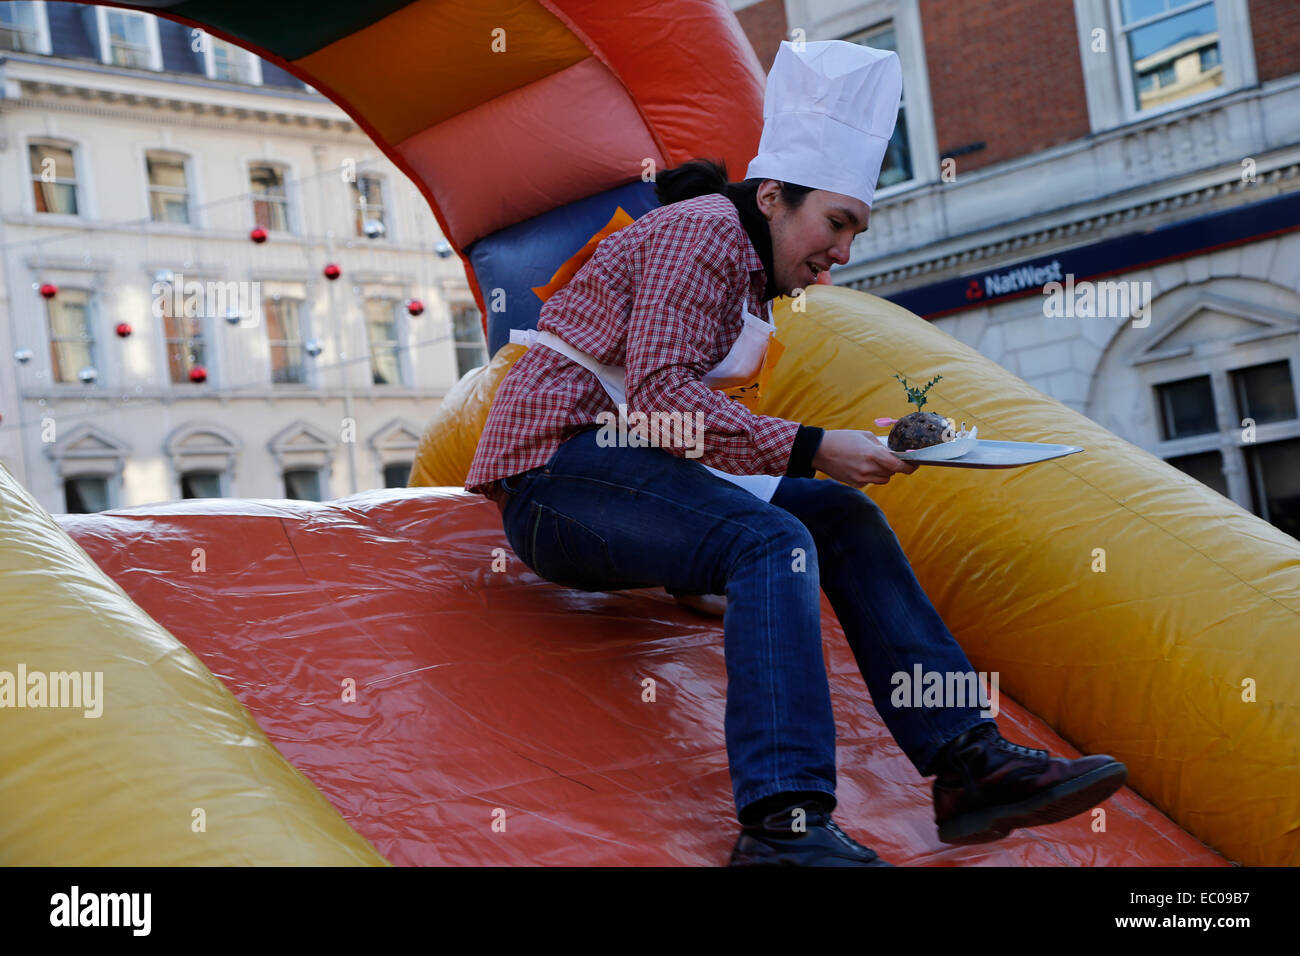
(758, 254)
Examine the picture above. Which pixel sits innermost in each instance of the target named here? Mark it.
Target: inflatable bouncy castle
(378, 679)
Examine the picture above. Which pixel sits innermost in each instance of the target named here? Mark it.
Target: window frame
(223, 479)
(1226, 438)
(1238, 392)
(112, 493)
(290, 224)
(322, 488)
(42, 30)
(360, 205)
(92, 317)
(408, 465)
(456, 344)
(1254, 478)
(1164, 408)
(903, 105)
(309, 376)
(81, 192)
(205, 336)
(153, 44)
(187, 168)
(1108, 80)
(209, 62)
(399, 341)
(905, 16)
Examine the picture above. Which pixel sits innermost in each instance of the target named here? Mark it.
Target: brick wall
(1006, 74)
(1275, 26)
(764, 24)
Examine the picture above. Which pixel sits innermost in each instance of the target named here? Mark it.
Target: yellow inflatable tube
(154, 763)
(1138, 612)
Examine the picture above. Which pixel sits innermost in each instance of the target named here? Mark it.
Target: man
(660, 306)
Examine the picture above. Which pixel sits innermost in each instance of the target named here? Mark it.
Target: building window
(471, 351)
(270, 201)
(54, 178)
(1206, 467)
(225, 61)
(1172, 49)
(381, 331)
(19, 28)
(368, 206)
(284, 335)
(897, 165)
(169, 197)
(1186, 408)
(183, 336)
(397, 475)
(1265, 393)
(302, 484)
(85, 494)
(72, 343)
(1274, 472)
(1160, 55)
(201, 484)
(126, 37)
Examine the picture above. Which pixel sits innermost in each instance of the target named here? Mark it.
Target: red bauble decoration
(198, 374)
(332, 271)
(415, 307)
(49, 290)
(122, 329)
(258, 234)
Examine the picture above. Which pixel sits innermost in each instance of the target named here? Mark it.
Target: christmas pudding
(920, 429)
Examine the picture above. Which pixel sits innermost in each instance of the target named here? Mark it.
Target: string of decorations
(332, 271)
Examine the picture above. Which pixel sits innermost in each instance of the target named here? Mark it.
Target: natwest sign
(1142, 248)
(1021, 277)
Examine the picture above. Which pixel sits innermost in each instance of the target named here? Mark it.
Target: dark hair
(699, 177)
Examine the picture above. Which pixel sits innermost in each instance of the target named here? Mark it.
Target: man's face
(807, 240)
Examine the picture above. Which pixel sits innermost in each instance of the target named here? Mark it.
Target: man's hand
(857, 458)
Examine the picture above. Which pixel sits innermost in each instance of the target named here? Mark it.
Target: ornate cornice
(53, 96)
(1082, 226)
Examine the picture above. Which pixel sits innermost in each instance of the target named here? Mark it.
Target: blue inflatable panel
(521, 257)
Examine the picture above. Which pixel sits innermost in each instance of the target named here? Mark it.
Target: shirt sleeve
(806, 443)
(688, 273)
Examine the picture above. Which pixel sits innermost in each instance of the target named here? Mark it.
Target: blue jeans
(606, 518)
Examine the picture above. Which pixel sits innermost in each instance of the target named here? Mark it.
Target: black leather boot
(788, 838)
(987, 786)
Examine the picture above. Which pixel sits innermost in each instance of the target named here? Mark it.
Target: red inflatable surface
(487, 694)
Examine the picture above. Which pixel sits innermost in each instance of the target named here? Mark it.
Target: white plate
(944, 451)
(988, 454)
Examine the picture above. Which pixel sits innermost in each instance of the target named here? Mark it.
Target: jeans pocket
(567, 552)
(513, 484)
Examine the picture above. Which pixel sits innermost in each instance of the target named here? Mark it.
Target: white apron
(740, 365)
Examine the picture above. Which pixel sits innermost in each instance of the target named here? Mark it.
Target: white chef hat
(828, 111)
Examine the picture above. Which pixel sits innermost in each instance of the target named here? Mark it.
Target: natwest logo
(1021, 277)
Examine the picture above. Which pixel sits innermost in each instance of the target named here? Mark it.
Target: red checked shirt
(663, 298)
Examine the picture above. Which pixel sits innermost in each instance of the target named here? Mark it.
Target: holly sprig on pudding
(920, 429)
